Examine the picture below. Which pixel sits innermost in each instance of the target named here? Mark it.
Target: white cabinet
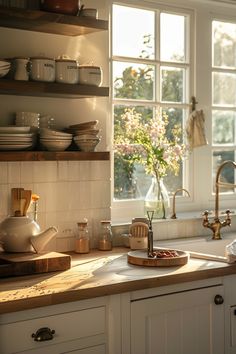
(230, 314)
(187, 322)
(78, 327)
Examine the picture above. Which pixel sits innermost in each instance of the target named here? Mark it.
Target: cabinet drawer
(17, 336)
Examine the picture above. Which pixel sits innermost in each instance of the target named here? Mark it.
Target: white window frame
(199, 169)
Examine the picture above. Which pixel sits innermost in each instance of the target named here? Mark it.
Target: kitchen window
(161, 56)
(224, 97)
(150, 73)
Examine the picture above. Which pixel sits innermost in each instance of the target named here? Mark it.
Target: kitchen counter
(99, 274)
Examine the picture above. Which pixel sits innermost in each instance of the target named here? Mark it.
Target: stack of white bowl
(16, 138)
(86, 135)
(4, 67)
(55, 140)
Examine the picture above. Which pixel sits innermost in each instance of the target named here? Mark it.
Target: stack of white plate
(16, 138)
(55, 140)
(4, 67)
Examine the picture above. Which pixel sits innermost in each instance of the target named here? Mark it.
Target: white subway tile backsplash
(14, 172)
(100, 194)
(73, 170)
(86, 172)
(62, 197)
(26, 172)
(69, 191)
(4, 200)
(85, 195)
(100, 170)
(3, 172)
(44, 171)
(62, 170)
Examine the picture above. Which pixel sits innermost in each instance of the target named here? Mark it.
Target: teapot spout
(40, 240)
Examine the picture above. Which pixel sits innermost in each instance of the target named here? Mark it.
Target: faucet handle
(227, 214)
(205, 214)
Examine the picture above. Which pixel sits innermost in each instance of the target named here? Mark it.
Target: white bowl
(90, 132)
(86, 125)
(86, 145)
(86, 137)
(45, 132)
(4, 72)
(59, 145)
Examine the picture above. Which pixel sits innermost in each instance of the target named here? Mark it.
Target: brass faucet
(173, 216)
(216, 225)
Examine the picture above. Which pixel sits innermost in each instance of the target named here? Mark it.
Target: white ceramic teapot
(22, 234)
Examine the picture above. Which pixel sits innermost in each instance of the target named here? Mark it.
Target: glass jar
(105, 238)
(82, 238)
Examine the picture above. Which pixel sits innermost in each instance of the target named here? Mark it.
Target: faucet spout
(173, 216)
(216, 225)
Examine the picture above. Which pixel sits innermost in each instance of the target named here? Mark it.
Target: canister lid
(89, 67)
(67, 61)
(43, 58)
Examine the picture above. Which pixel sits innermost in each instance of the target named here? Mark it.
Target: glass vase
(157, 199)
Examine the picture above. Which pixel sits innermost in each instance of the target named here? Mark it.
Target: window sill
(187, 224)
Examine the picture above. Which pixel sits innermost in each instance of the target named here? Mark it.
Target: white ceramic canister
(90, 75)
(42, 69)
(67, 71)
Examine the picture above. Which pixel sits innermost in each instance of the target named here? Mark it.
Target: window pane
(133, 81)
(224, 44)
(133, 32)
(172, 37)
(172, 84)
(130, 180)
(228, 173)
(224, 89)
(223, 127)
(176, 117)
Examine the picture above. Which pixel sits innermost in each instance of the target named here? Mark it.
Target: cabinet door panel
(182, 323)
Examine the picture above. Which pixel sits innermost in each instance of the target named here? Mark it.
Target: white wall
(69, 191)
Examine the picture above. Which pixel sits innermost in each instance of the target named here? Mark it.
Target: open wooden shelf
(48, 22)
(50, 89)
(53, 156)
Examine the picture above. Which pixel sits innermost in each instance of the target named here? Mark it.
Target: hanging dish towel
(195, 129)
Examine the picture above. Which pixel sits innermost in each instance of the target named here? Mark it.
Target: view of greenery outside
(224, 98)
(137, 82)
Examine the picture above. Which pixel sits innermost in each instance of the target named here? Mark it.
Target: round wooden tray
(139, 257)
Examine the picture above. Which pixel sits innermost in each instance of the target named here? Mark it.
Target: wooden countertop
(99, 274)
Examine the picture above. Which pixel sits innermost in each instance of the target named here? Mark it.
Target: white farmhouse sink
(201, 247)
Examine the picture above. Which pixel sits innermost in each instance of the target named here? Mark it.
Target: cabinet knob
(43, 334)
(218, 299)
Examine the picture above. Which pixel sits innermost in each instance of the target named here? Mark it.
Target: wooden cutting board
(139, 257)
(13, 264)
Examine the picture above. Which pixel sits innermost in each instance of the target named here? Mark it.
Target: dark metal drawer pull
(43, 334)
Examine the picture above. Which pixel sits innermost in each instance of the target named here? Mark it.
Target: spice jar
(105, 239)
(82, 238)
